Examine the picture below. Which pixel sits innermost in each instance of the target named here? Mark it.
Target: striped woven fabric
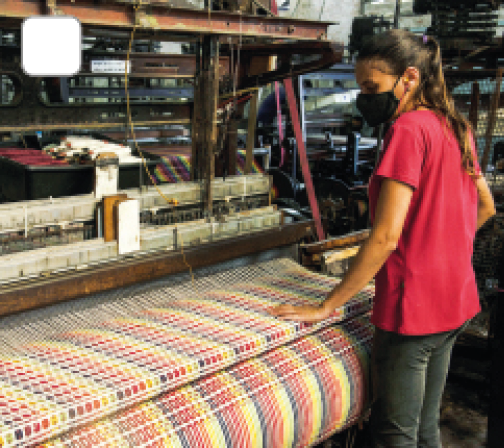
(177, 167)
(292, 396)
(75, 367)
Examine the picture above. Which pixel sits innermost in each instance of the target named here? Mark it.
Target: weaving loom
(181, 363)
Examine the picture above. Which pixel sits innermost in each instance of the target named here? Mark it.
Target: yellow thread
(130, 119)
(128, 111)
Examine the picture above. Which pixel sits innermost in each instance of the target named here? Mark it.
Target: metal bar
(329, 53)
(232, 143)
(59, 288)
(173, 20)
(473, 111)
(90, 125)
(291, 100)
(492, 118)
(149, 65)
(114, 92)
(196, 119)
(302, 94)
(323, 91)
(252, 118)
(345, 240)
(210, 89)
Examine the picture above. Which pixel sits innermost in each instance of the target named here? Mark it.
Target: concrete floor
(463, 416)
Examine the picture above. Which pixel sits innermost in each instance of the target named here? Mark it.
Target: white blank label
(109, 66)
(128, 238)
(51, 46)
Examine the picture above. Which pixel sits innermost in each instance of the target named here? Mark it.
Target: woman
(427, 200)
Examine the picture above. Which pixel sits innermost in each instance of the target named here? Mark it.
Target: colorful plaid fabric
(82, 366)
(291, 396)
(177, 167)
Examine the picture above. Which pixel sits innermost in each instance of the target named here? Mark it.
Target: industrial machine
(138, 315)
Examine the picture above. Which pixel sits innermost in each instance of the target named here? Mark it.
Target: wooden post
(492, 118)
(196, 118)
(210, 94)
(232, 142)
(109, 220)
(473, 111)
(249, 157)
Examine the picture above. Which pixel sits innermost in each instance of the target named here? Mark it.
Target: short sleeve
(402, 157)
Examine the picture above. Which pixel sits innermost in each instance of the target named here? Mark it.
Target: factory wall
(343, 11)
(340, 11)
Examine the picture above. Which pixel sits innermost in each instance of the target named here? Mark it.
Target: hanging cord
(179, 234)
(128, 112)
(130, 120)
(322, 10)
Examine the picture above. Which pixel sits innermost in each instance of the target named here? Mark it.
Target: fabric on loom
(177, 167)
(291, 396)
(81, 365)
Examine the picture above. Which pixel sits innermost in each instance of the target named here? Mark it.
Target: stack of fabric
(186, 364)
(32, 157)
(76, 146)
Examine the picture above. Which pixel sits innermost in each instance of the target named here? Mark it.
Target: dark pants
(409, 376)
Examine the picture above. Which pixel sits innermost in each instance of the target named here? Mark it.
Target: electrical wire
(130, 119)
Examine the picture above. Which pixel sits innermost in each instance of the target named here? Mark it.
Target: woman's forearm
(484, 214)
(486, 204)
(368, 261)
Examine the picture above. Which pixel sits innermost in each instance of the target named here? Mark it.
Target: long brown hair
(401, 49)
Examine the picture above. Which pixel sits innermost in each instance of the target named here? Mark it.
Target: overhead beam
(173, 20)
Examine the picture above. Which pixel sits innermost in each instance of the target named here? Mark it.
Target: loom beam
(59, 288)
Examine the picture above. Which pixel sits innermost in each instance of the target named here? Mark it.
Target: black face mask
(377, 108)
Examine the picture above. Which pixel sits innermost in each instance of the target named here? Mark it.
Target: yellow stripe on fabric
(312, 384)
(209, 421)
(281, 397)
(110, 434)
(167, 433)
(304, 375)
(212, 424)
(340, 374)
(246, 406)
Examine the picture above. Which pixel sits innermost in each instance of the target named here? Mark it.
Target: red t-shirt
(427, 285)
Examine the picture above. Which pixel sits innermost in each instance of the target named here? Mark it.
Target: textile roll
(293, 395)
(75, 363)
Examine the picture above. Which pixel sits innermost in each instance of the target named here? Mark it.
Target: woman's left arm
(391, 210)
